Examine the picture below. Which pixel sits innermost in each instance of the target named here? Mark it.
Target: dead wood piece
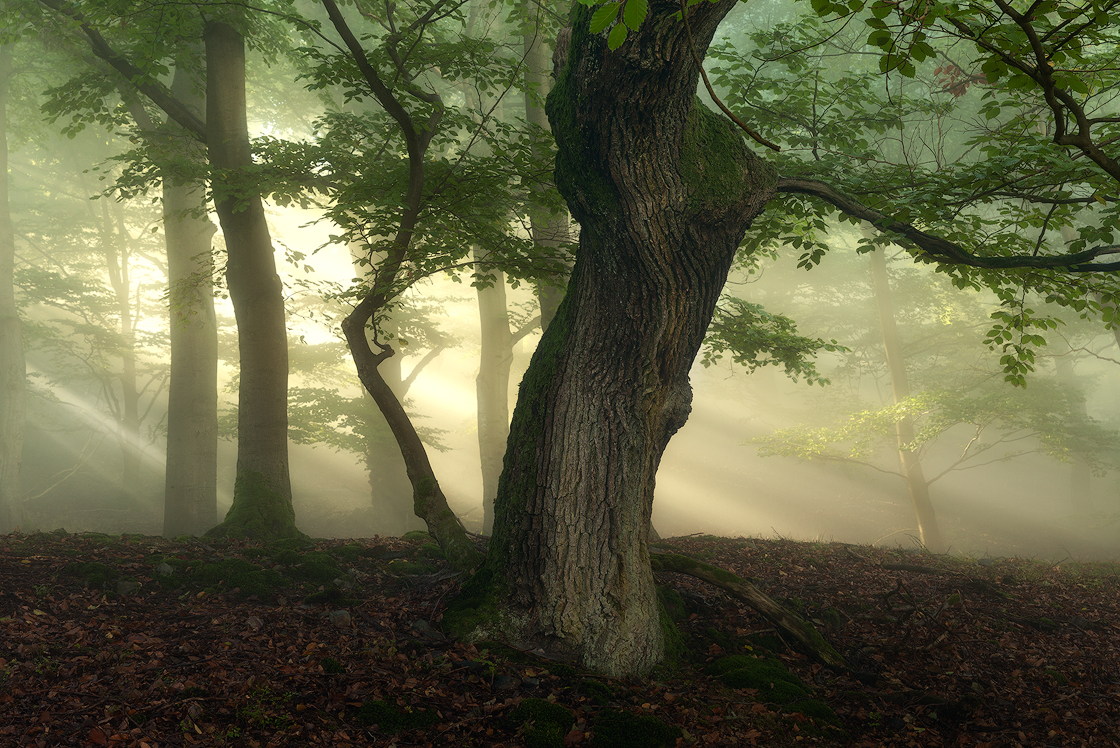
(913, 568)
(802, 632)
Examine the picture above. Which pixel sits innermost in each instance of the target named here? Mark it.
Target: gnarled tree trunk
(663, 203)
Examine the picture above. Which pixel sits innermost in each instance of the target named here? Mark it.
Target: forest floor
(139, 641)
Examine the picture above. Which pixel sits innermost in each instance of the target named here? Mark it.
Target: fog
(711, 479)
(1040, 479)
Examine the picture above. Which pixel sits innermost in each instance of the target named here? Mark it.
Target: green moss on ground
(93, 574)
(475, 613)
(775, 685)
(774, 682)
(236, 574)
(393, 718)
(615, 728)
(259, 512)
(542, 724)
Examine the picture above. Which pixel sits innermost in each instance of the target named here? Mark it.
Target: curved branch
(712, 92)
(154, 90)
(942, 249)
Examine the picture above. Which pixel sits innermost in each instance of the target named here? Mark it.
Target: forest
(861, 255)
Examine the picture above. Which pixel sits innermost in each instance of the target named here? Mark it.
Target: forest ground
(139, 641)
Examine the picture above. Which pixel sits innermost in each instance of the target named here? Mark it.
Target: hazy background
(712, 479)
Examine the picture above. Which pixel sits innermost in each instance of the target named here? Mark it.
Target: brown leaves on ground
(137, 641)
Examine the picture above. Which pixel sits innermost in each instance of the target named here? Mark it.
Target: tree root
(806, 637)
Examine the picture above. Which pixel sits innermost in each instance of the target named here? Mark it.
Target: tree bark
(13, 369)
(663, 203)
(262, 494)
(190, 484)
(492, 389)
(928, 530)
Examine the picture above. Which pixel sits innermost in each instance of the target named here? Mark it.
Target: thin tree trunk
(492, 388)
(190, 483)
(429, 503)
(114, 249)
(1080, 471)
(548, 231)
(930, 533)
(428, 500)
(262, 496)
(13, 370)
(663, 203)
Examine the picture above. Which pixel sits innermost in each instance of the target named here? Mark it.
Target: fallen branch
(912, 568)
(804, 634)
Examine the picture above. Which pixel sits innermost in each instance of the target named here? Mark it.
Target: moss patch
(614, 728)
(392, 718)
(775, 684)
(259, 512)
(542, 724)
(475, 612)
(713, 160)
(94, 575)
(243, 577)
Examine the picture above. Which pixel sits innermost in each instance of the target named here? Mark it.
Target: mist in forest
(809, 453)
(712, 479)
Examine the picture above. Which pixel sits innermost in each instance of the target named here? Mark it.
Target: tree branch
(942, 249)
(154, 90)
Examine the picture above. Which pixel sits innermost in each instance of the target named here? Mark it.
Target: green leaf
(617, 36)
(604, 16)
(635, 13)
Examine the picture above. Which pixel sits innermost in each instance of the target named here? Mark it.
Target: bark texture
(663, 203)
(190, 495)
(911, 465)
(13, 369)
(262, 494)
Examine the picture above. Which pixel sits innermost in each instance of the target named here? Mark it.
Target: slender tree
(190, 493)
(928, 530)
(262, 494)
(262, 505)
(12, 367)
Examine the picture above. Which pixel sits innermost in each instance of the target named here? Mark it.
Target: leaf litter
(140, 641)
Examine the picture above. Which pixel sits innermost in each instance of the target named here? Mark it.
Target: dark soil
(140, 641)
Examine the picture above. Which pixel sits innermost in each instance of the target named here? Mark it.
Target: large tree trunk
(190, 494)
(492, 389)
(262, 494)
(929, 532)
(13, 371)
(663, 203)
